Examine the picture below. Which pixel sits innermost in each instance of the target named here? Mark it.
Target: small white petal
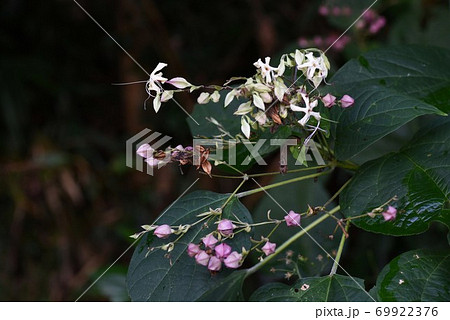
(261, 117)
(304, 120)
(267, 98)
(229, 97)
(215, 97)
(299, 57)
(166, 95)
(245, 128)
(179, 82)
(258, 102)
(297, 108)
(203, 98)
(159, 67)
(157, 102)
(244, 108)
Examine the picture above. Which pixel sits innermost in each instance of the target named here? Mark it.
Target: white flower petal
(245, 128)
(179, 82)
(159, 67)
(298, 109)
(299, 57)
(258, 102)
(215, 96)
(203, 98)
(244, 108)
(166, 95)
(304, 120)
(229, 97)
(157, 102)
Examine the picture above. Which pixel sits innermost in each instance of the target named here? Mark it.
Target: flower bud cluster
(212, 255)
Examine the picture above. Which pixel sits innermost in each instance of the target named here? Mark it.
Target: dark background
(68, 202)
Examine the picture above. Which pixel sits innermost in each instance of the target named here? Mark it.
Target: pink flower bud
(329, 100)
(193, 249)
(222, 251)
(389, 214)
(318, 41)
(163, 231)
(369, 15)
(346, 11)
(303, 42)
(360, 24)
(336, 11)
(145, 150)
(233, 261)
(292, 219)
(377, 25)
(214, 264)
(225, 227)
(269, 248)
(209, 241)
(202, 258)
(323, 10)
(347, 101)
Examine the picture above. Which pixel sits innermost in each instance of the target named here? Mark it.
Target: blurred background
(68, 202)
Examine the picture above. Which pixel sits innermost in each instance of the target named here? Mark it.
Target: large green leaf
(227, 289)
(391, 86)
(324, 289)
(154, 277)
(418, 275)
(418, 175)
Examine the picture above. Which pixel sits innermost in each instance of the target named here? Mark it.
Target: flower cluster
(269, 100)
(211, 255)
(326, 10)
(270, 96)
(371, 21)
(333, 41)
(159, 158)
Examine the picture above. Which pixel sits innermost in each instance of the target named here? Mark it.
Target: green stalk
(341, 248)
(291, 240)
(282, 183)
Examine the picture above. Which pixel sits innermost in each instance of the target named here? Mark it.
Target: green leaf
(154, 277)
(391, 86)
(227, 289)
(322, 289)
(418, 175)
(418, 275)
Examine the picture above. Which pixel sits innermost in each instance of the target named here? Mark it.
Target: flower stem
(291, 240)
(233, 194)
(337, 193)
(282, 183)
(341, 248)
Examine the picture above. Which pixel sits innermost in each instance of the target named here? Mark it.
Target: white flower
(312, 65)
(156, 79)
(308, 110)
(267, 72)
